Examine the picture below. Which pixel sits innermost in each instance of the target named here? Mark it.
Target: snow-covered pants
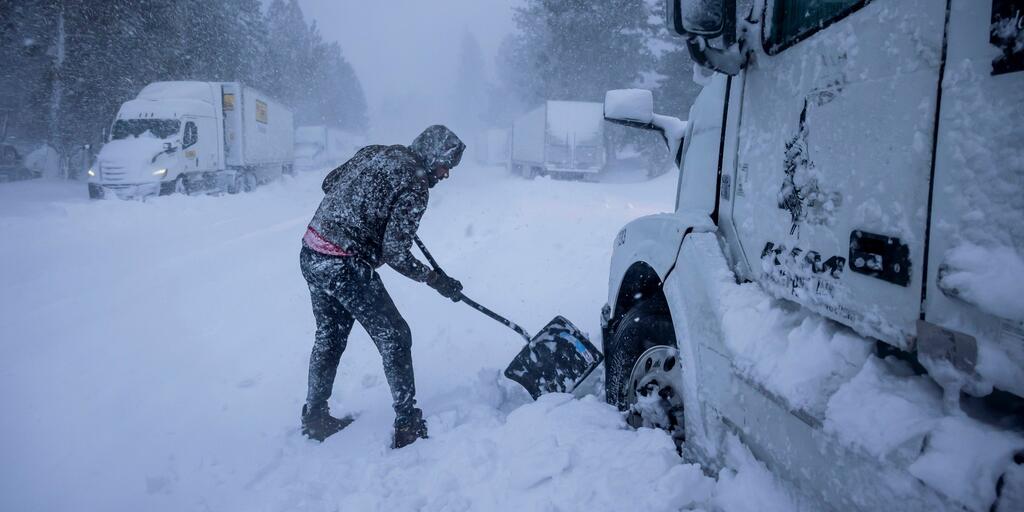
(345, 289)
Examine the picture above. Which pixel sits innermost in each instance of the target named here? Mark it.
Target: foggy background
(382, 70)
(407, 54)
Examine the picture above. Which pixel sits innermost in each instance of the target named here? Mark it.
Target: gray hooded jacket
(375, 200)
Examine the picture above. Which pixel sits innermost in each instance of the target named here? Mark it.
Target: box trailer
(559, 138)
(191, 136)
(322, 146)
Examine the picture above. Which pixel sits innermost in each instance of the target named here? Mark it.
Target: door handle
(880, 256)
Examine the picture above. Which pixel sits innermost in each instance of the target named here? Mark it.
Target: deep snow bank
(153, 357)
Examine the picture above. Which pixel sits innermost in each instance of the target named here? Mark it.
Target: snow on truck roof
(172, 99)
(199, 91)
(163, 109)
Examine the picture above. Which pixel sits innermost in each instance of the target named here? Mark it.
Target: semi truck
(322, 146)
(839, 284)
(192, 136)
(559, 138)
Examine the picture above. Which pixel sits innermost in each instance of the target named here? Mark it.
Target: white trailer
(559, 138)
(321, 146)
(190, 136)
(839, 284)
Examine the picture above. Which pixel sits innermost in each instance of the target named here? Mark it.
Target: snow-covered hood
(133, 158)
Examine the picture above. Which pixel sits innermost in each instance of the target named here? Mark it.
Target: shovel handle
(508, 323)
(470, 302)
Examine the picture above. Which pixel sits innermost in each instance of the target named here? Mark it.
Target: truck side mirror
(635, 108)
(701, 21)
(704, 18)
(629, 106)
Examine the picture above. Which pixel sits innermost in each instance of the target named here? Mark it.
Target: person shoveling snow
(369, 217)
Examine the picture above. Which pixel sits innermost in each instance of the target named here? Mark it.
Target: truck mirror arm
(727, 61)
(672, 130)
(168, 149)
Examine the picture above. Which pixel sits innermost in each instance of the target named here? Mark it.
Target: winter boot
(408, 429)
(319, 424)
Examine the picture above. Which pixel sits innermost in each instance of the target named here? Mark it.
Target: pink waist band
(314, 241)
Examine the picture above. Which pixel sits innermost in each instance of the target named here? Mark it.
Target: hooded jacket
(373, 202)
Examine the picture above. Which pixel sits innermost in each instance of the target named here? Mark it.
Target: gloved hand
(446, 286)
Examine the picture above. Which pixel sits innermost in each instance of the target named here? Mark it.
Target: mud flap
(556, 360)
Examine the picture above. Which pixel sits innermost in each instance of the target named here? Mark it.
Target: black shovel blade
(556, 360)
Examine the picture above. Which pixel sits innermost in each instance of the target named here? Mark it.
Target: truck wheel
(244, 181)
(180, 186)
(642, 370)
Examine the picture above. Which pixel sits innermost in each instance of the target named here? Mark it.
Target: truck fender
(644, 253)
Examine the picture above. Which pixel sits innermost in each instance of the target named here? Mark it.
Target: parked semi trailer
(559, 138)
(190, 136)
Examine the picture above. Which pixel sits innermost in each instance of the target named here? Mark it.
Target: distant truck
(492, 147)
(562, 138)
(323, 146)
(192, 136)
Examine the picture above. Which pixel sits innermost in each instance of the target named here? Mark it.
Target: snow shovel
(556, 360)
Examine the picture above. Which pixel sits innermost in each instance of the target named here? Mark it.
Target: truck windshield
(159, 128)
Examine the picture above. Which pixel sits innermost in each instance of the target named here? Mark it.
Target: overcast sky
(406, 51)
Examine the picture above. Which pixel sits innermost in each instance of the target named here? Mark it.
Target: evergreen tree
(68, 65)
(578, 49)
(469, 94)
(674, 88)
(26, 76)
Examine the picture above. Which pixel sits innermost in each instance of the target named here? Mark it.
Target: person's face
(441, 172)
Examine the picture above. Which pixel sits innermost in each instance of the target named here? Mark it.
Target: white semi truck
(561, 138)
(191, 136)
(840, 284)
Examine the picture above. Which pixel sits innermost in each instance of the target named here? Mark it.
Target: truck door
(200, 145)
(976, 238)
(189, 145)
(834, 154)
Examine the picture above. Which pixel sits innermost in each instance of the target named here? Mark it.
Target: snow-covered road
(153, 357)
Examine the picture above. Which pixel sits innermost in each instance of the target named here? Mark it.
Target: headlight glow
(92, 173)
(160, 172)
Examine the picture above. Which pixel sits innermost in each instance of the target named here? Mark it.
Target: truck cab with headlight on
(192, 136)
(840, 284)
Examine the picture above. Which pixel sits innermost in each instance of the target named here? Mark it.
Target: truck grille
(113, 173)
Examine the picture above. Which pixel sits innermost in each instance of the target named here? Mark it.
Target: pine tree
(112, 49)
(469, 94)
(578, 49)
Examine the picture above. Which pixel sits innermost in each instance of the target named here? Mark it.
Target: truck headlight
(91, 173)
(160, 172)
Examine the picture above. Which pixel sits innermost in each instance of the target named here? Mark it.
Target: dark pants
(344, 289)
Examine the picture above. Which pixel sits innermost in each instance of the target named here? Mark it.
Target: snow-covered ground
(153, 357)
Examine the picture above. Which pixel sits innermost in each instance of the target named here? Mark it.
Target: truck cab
(838, 284)
(188, 136)
(161, 139)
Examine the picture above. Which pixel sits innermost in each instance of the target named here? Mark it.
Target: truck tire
(173, 187)
(244, 181)
(642, 370)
